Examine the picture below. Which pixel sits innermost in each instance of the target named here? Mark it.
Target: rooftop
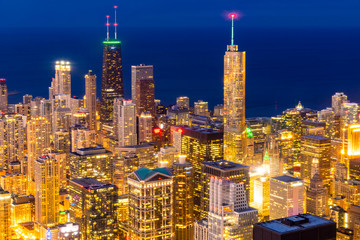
(91, 183)
(287, 178)
(90, 151)
(225, 165)
(295, 223)
(144, 173)
(316, 137)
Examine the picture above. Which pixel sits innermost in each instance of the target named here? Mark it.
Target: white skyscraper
(286, 196)
(230, 216)
(124, 119)
(337, 101)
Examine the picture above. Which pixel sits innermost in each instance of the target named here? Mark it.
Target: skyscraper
(182, 102)
(316, 197)
(47, 191)
(234, 103)
(61, 84)
(155, 187)
(183, 199)
(201, 108)
(92, 205)
(145, 127)
(3, 96)
(286, 196)
(90, 93)
(5, 223)
(142, 89)
(112, 78)
(124, 122)
(337, 101)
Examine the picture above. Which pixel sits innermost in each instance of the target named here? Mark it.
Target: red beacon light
(180, 130)
(157, 130)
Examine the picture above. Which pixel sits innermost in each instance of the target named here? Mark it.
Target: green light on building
(266, 157)
(249, 133)
(111, 42)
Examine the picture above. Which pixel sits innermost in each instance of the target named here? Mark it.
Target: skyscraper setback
(61, 84)
(90, 93)
(234, 103)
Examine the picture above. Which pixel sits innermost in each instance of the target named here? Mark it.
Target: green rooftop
(144, 173)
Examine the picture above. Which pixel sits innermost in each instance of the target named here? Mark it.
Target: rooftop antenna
(115, 24)
(232, 15)
(107, 27)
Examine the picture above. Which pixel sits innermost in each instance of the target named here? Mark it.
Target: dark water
(283, 65)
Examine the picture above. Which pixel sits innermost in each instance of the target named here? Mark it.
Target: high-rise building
(234, 104)
(82, 138)
(167, 156)
(90, 94)
(142, 88)
(272, 160)
(92, 205)
(61, 84)
(332, 122)
(338, 99)
(15, 183)
(316, 197)
(47, 191)
(183, 102)
(183, 202)
(353, 141)
(230, 216)
(201, 108)
(300, 227)
(5, 215)
(69, 231)
(235, 172)
(62, 141)
(145, 153)
(95, 162)
(349, 113)
(3, 96)
(12, 139)
(38, 142)
(155, 187)
(123, 166)
(145, 127)
(124, 122)
(319, 147)
(286, 196)
(112, 85)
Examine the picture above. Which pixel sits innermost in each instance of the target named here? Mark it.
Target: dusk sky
(185, 13)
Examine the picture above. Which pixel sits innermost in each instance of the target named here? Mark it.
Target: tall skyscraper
(90, 94)
(61, 84)
(47, 191)
(201, 108)
(316, 197)
(230, 216)
(12, 139)
(92, 205)
(82, 137)
(145, 127)
(183, 199)
(38, 142)
(112, 85)
(124, 122)
(143, 89)
(183, 102)
(286, 196)
(337, 101)
(234, 103)
(5, 215)
(155, 187)
(3, 96)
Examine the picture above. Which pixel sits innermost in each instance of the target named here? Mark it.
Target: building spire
(115, 24)
(107, 27)
(232, 15)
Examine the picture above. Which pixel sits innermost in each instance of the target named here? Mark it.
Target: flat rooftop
(295, 223)
(288, 179)
(225, 165)
(91, 183)
(316, 137)
(90, 151)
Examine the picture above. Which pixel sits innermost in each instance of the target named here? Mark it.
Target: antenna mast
(232, 28)
(115, 24)
(107, 27)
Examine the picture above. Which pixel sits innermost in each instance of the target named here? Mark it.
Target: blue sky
(184, 13)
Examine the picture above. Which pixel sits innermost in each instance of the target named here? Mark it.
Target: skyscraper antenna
(107, 27)
(115, 24)
(232, 15)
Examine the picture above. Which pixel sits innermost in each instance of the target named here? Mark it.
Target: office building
(300, 227)
(123, 166)
(286, 196)
(183, 202)
(235, 172)
(82, 137)
(5, 215)
(201, 108)
(147, 221)
(22, 209)
(145, 127)
(262, 197)
(14, 183)
(3, 96)
(62, 141)
(61, 84)
(230, 217)
(349, 113)
(167, 156)
(234, 104)
(124, 122)
(183, 102)
(338, 99)
(92, 205)
(319, 147)
(316, 197)
(47, 191)
(95, 162)
(69, 231)
(112, 85)
(142, 89)
(90, 95)
(145, 153)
